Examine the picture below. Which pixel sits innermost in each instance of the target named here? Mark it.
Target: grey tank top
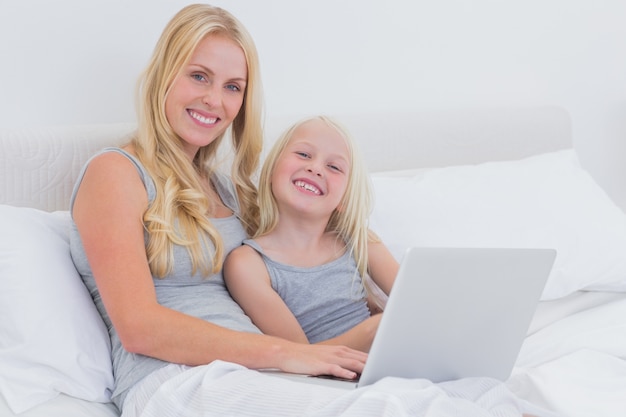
(327, 300)
(203, 297)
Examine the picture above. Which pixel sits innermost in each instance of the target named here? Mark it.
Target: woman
(154, 220)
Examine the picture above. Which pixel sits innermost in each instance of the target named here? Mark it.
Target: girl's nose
(313, 169)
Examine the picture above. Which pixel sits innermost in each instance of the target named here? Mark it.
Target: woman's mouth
(202, 119)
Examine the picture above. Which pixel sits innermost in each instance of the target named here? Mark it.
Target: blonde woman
(153, 220)
(301, 277)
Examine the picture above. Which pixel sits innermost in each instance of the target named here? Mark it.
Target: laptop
(454, 313)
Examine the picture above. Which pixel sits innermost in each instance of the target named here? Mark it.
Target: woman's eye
(198, 77)
(233, 87)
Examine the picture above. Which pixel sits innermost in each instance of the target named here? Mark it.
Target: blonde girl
(301, 276)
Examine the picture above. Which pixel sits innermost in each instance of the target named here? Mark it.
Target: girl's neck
(298, 242)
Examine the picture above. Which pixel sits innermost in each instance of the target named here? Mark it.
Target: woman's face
(207, 94)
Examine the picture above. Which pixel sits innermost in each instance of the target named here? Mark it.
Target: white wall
(76, 61)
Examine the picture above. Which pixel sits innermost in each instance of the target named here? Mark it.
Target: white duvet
(572, 364)
(226, 389)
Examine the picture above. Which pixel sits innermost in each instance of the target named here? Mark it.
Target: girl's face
(311, 174)
(207, 94)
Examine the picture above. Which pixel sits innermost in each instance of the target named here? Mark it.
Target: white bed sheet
(574, 359)
(549, 312)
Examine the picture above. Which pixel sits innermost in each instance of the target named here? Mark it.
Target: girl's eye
(335, 167)
(302, 154)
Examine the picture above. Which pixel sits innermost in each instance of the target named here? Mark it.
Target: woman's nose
(211, 96)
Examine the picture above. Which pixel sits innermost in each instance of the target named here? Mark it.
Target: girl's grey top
(327, 300)
(192, 294)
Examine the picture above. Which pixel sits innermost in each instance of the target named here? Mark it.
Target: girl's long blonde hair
(350, 220)
(179, 213)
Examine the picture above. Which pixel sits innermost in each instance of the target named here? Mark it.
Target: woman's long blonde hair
(349, 221)
(179, 213)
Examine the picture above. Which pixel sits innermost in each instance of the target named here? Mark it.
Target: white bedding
(572, 363)
(573, 360)
(576, 364)
(188, 392)
(64, 406)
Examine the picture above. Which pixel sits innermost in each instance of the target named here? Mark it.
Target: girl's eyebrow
(308, 143)
(340, 156)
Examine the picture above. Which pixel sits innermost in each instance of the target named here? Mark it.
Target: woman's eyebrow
(211, 72)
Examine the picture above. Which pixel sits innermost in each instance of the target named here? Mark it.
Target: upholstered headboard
(38, 166)
(442, 137)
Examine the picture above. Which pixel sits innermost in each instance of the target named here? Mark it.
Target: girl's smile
(307, 186)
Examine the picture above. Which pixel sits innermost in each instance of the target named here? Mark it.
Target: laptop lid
(458, 312)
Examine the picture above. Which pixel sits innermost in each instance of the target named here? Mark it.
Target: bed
(443, 177)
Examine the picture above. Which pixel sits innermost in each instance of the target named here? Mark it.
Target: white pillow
(544, 201)
(52, 339)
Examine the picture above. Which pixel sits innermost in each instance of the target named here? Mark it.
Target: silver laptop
(454, 313)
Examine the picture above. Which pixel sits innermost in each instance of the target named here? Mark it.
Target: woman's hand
(339, 361)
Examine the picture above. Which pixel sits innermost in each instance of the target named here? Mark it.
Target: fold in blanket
(226, 389)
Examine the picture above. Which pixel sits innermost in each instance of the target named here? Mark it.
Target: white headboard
(38, 166)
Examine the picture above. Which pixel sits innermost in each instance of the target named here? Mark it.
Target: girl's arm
(382, 266)
(383, 269)
(108, 212)
(249, 284)
(360, 337)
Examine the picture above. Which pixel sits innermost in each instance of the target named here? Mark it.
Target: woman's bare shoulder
(112, 180)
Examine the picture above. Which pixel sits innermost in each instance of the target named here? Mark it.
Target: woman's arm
(249, 284)
(108, 212)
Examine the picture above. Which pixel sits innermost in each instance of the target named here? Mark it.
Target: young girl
(301, 276)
